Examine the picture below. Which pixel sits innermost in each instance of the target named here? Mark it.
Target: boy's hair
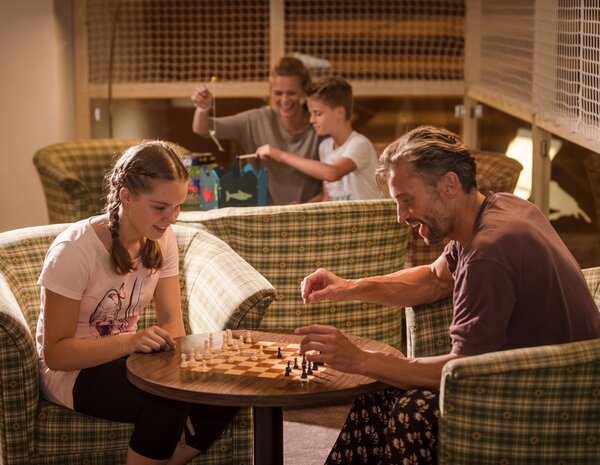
(138, 169)
(334, 92)
(432, 152)
(293, 67)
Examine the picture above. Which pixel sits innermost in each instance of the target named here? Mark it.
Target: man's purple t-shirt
(516, 284)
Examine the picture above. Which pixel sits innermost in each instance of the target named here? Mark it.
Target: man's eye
(159, 208)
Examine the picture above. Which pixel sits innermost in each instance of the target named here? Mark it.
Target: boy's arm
(313, 168)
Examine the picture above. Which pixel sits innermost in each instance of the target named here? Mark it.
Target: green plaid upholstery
(219, 290)
(496, 173)
(72, 175)
(518, 407)
(427, 328)
(285, 243)
(530, 406)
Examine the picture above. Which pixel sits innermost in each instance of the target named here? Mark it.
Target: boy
(348, 159)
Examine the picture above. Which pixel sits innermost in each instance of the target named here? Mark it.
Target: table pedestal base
(268, 435)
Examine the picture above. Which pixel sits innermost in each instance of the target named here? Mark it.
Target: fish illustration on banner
(232, 188)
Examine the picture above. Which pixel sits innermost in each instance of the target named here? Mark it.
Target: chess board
(241, 363)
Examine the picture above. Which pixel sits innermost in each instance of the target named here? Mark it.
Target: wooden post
(540, 169)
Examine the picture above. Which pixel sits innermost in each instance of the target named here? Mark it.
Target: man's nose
(402, 214)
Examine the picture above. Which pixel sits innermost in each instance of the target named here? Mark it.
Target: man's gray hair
(432, 152)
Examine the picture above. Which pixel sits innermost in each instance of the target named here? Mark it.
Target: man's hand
(270, 152)
(332, 347)
(323, 285)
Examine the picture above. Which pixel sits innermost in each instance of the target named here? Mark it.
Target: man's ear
(449, 184)
(341, 112)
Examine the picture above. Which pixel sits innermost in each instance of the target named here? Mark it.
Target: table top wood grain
(160, 373)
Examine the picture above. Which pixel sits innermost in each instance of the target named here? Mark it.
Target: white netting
(378, 39)
(178, 40)
(542, 57)
(191, 40)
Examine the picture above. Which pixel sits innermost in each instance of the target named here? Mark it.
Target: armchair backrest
(285, 243)
(72, 175)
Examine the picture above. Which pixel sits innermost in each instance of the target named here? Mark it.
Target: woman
(98, 276)
(284, 126)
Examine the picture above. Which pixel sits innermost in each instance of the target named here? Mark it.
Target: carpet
(308, 434)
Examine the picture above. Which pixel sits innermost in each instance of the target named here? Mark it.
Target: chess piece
(288, 370)
(230, 359)
(254, 358)
(303, 375)
(184, 363)
(303, 360)
(279, 352)
(296, 363)
(315, 366)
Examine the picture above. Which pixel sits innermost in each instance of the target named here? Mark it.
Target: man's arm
(405, 288)
(331, 346)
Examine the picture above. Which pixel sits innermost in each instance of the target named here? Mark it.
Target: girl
(98, 276)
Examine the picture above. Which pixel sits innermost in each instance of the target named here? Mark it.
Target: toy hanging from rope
(212, 132)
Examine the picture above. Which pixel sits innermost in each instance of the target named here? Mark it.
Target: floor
(308, 434)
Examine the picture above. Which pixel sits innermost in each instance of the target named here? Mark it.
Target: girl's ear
(124, 196)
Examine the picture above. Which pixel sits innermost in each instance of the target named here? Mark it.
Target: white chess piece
(184, 363)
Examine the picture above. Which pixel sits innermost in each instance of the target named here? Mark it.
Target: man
(515, 284)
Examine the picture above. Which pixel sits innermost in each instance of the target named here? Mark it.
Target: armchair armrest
(534, 405)
(19, 394)
(427, 328)
(223, 290)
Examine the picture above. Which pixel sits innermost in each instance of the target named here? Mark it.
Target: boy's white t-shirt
(77, 266)
(359, 184)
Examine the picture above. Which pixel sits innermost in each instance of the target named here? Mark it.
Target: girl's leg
(104, 392)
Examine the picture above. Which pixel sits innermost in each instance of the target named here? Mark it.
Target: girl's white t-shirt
(359, 184)
(77, 266)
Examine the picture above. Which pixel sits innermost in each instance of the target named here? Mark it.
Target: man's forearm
(405, 288)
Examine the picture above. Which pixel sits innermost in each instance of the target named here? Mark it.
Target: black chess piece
(309, 370)
(315, 366)
(288, 370)
(279, 352)
(296, 363)
(303, 360)
(303, 375)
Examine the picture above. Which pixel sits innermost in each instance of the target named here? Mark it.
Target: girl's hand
(152, 339)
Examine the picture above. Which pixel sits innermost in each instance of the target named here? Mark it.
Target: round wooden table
(160, 373)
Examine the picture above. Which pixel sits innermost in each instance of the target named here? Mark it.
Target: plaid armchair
(496, 173)
(72, 175)
(36, 431)
(518, 407)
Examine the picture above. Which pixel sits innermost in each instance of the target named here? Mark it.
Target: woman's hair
(138, 169)
(432, 152)
(290, 66)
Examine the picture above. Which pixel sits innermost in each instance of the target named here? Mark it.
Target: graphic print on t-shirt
(110, 316)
